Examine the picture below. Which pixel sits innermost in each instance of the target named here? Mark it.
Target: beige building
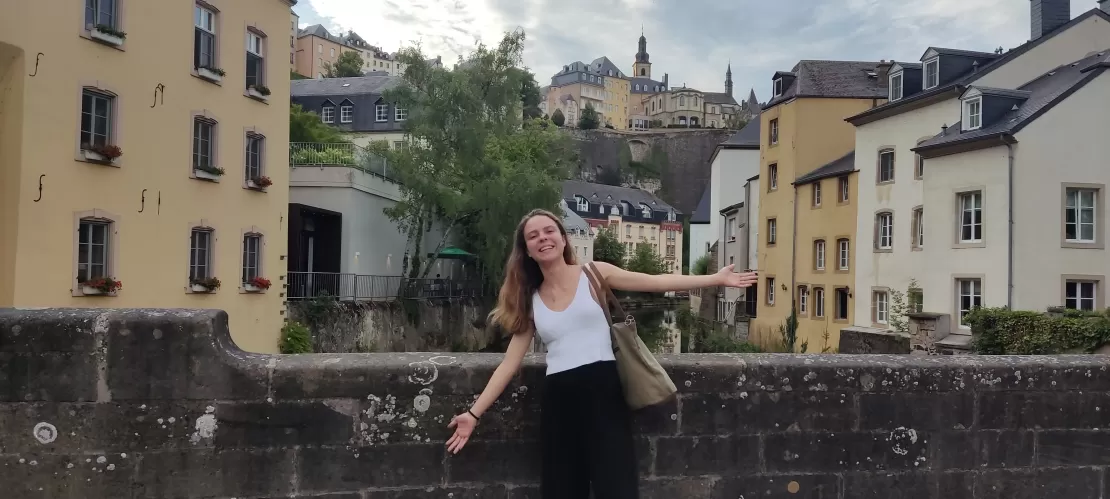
(599, 84)
(158, 183)
(315, 46)
(294, 23)
(636, 216)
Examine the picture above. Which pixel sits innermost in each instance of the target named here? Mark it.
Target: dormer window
(583, 205)
(671, 216)
(896, 86)
(973, 114)
(778, 87)
(645, 210)
(931, 73)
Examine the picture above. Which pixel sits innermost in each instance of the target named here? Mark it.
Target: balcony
(303, 154)
(354, 287)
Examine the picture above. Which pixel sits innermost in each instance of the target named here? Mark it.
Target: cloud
(691, 40)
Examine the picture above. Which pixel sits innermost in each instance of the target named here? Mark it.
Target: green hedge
(1000, 331)
(323, 157)
(295, 338)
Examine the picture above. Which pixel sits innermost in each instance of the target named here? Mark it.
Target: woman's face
(543, 239)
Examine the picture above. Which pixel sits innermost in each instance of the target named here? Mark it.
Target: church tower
(642, 67)
(728, 79)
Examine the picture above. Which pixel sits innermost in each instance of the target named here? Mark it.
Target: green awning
(453, 252)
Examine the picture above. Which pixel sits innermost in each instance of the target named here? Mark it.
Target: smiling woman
(586, 422)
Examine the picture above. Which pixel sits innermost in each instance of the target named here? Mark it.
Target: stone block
(789, 486)
(321, 469)
(477, 492)
(904, 449)
(1070, 483)
(215, 473)
(671, 488)
(515, 462)
(906, 485)
(1073, 448)
(857, 340)
(1059, 409)
(920, 411)
(694, 456)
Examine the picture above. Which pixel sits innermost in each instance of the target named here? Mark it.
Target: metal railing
(304, 285)
(338, 154)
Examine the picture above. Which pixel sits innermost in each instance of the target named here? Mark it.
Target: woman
(586, 424)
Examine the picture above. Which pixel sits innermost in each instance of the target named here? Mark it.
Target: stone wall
(109, 404)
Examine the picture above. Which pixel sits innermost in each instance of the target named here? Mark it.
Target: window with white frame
(803, 300)
(773, 173)
(346, 113)
(770, 290)
(817, 193)
(843, 188)
(400, 113)
(919, 166)
(918, 228)
(200, 254)
(772, 228)
(256, 74)
(204, 143)
(773, 133)
(1080, 295)
(880, 307)
(94, 238)
(97, 115)
(1080, 213)
(327, 113)
(884, 231)
(932, 73)
(381, 113)
(844, 255)
(777, 87)
(100, 13)
(818, 302)
(645, 211)
(254, 155)
(970, 296)
(886, 166)
(973, 113)
(252, 246)
(204, 38)
(971, 217)
(819, 255)
(583, 205)
(729, 229)
(895, 86)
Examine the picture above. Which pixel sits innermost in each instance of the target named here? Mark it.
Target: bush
(1000, 331)
(295, 338)
(335, 156)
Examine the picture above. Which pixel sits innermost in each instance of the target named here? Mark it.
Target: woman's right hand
(464, 425)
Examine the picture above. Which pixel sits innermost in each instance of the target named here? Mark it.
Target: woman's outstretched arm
(619, 278)
(464, 423)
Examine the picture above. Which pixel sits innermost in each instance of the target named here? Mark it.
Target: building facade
(599, 84)
(580, 234)
(734, 210)
(805, 140)
(355, 106)
(701, 233)
(315, 46)
(109, 178)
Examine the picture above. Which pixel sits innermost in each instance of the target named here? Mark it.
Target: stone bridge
(110, 404)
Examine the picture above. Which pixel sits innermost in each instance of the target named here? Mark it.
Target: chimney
(1047, 15)
(1104, 5)
(882, 72)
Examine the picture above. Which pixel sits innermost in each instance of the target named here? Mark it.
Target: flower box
(199, 288)
(211, 74)
(90, 291)
(204, 285)
(107, 36)
(251, 288)
(103, 153)
(259, 183)
(256, 285)
(257, 94)
(100, 286)
(209, 173)
(94, 156)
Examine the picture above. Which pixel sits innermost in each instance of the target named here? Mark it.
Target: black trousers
(587, 435)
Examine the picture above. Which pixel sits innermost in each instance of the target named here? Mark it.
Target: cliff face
(672, 163)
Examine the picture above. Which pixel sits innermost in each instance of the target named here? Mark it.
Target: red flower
(103, 284)
(259, 282)
(262, 181)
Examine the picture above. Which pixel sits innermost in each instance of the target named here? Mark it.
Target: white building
(579, 234)
(734, 206)
(701, 231)
(899, 240)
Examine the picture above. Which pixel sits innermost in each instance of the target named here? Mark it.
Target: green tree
(557, 118)
(349, 64)
(701, 265)
(589, 120)
(530, 95)
(470, 165)
(607, 249)
(645, 260)
(305, 126)
(735, 122)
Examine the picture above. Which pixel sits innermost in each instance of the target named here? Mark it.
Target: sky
(692, 40)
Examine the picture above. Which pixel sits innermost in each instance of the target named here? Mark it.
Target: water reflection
(657, 328)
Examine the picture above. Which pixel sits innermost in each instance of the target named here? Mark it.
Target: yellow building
(294, 22)
(315, 46)
(81, 82)
(599, 84)
(807, 212)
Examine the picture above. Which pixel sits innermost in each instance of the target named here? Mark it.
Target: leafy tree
(557, 117)
(305, 126)
(701, 265)
(530, 94)
(589, 120)
(735, 122)
(470, 165)
(295, 338)
(293, 75)
(349, 64)
(608, 249)
(646, 261)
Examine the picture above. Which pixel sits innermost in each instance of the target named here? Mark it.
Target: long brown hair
(523, 278)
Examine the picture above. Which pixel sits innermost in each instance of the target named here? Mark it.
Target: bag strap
(612, 298)
(602, 297)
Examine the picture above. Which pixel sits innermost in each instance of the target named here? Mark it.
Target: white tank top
(576, 336)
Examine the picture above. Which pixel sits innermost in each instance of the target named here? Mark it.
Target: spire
(641, 54)
(728, 79)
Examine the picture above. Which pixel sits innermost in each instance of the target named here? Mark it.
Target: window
(346, 113)
(381, 113)
(916, 299)
(970, 296)
(96, 119)
(777, 87)
(918, 227)
(200, 254)
(93, 249)
(728, 229)
(886, 166)
(204, 137)
(817, 193)
(254, 155)
(255, 68)
(1080, 210)
(204, 38)
(773, 173)
(770, 290)
(646, 212)
(896, 86)
(628, 231)
(333, 52)
(932, 73)
(819, 255)
(583, 205)
(327, 114)
(843, 254)
(880, 307)
(884, 231)
(971, 217)
(100, 12)
(772, 227)
(818, 302)
(803, 300)
(973, 113)
(918, 167)
(841, 304)
(843, 188)
(1080, 295)
(773, 133)
(400, 113)
(252, 244)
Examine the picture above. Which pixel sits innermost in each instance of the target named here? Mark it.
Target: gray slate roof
(646, 84)
(836, 168)
(571, 220)
(962, 53)
(342, 86)
(588, 190)
(719, 98)
(701, 213)
(833, 79)
(747, 138)
(1039, 96)
(602, 65)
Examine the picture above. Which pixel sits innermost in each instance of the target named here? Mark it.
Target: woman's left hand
(730, 278)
